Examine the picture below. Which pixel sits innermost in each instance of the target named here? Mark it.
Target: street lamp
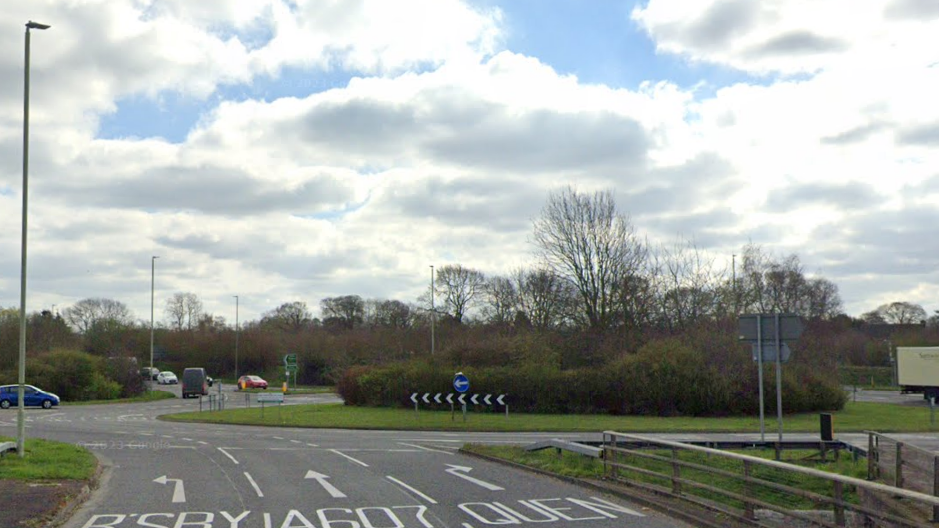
(236, 339)
(21, 408)
(433, 311)
(152, 275)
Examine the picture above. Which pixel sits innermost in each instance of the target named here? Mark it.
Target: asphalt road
(180, 475)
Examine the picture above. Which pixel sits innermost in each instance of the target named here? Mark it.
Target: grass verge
(48, 460)
(579, 466)
(860, 416)
(145, 397)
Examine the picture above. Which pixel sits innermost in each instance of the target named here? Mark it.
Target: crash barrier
(7, 446)
(896, 463)
(564, 445)
(738, 485)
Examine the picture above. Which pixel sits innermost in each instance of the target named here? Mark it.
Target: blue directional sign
(461, 382)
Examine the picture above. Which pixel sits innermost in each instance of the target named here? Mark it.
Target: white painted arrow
(414, 397)
(437, 398)
(450, 398)
(475, 399)
(487, 399)
(461, 471)
(321, 478)
(462, 399)
(179, 492)
(426, 394)
(499, 399)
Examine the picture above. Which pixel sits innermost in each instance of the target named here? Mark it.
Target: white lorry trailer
(918, 371)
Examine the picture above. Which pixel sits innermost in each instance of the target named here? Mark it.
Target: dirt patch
(33, 504)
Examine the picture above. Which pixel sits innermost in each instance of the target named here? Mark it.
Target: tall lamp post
(236, 339)
(20, 393)
(152, 276)
(433, 311)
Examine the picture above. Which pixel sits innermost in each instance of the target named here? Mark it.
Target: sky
(291, 150)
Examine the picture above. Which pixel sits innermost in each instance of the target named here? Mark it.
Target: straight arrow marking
(461, 471)
(321, 478)
(179, 493)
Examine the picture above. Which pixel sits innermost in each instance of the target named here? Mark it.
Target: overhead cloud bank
(444, 144)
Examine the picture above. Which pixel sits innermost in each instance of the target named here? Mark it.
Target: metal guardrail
(620, 448)
(564, 445)
(7, 446)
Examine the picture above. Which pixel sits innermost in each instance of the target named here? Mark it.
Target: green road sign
(290, 360)
(291, 368)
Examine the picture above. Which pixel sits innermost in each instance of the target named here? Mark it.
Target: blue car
(32, 397)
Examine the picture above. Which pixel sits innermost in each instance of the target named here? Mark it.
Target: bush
(665, 378)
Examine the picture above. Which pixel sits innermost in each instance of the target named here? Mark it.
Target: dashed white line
(226, 453)
(277, 438)
(359, 462)
(253, 483)
(201, 442)
(416, 492)
(295, 441)
(312, 445)
(188, 439)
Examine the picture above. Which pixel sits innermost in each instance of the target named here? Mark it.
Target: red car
(252, 382)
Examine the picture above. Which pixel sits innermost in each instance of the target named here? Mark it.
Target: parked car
(32, 397)
(167, 378)
(150, 373)
(195, 382)
(252, 382)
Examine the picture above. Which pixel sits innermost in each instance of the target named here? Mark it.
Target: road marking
(253, 484)
(422, 448)
(188, 439)
(166, 436)
(201, 442)
(179, 494)
(312, 445)
(226, 453)
(295, 441)
(416, 492)
(277, 438)
(321, 478)
(462, 472)
(359, 462)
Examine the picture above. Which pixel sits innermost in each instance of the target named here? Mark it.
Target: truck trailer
(918, 371)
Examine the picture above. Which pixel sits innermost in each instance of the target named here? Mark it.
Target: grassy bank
(855, 417)
(145, 397)
(579, 466)
(48, 460)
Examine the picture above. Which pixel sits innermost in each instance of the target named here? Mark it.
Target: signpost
(461, 384)
(290, 365)
(770, 331)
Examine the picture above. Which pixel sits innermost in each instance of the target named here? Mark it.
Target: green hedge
(78, 376)
(866, 376)
(664, 378)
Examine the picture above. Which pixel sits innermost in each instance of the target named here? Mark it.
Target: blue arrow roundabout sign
(461, 382)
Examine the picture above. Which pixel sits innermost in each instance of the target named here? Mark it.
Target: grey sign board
(790, 327)
(769, 352)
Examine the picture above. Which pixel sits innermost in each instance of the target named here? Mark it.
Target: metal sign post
(773, 330)
(759, 366)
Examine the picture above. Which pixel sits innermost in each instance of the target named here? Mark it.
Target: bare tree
(459, 287)
(393, 314)
(585, 240)
(183, 310)
(544, 297)
(501, 300)
(89, 313)
(347, 311)
(291, 316)
(901, 312)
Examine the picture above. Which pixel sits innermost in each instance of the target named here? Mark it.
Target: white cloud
(444, 147)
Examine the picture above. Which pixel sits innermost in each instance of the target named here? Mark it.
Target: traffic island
(47, 485)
